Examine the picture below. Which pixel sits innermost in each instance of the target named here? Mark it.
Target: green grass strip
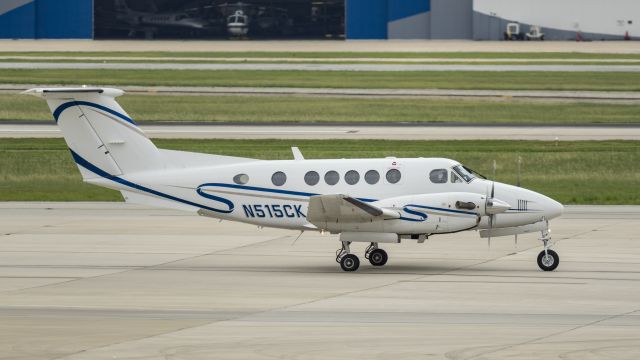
(580, 172)
(474, 80)
(302, 109)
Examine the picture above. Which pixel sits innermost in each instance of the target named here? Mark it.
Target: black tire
(349, 262)
(548, 263)
(378, 257)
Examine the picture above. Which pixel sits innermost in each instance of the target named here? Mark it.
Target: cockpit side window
(464, 174)
(439, 176)
(455, 178)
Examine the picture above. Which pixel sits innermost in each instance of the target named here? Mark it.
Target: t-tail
(112, 151)
(102, 137)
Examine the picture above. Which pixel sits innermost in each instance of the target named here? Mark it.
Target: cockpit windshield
(462, 171)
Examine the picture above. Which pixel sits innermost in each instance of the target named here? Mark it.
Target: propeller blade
(490, 227)
(493, 187)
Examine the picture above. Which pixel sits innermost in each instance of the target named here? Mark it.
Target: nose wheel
(548, 260)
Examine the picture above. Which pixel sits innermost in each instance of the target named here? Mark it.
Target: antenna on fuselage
(297, 154)
(296, 239)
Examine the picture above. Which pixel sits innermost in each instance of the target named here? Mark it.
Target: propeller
(489, 203)
(492, 207)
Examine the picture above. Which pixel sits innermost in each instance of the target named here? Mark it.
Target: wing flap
(339, 208)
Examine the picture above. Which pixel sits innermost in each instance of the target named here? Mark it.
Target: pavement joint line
(125, 341)
(539, 339)
(127, 269)
(237, 317)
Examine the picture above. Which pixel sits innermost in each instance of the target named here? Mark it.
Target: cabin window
(455, 178)
(331, 177)
(241, 179)
(278, 178)
(351, 177)
(372, 177)
(393, 176)
(438, 176)
(311, 178)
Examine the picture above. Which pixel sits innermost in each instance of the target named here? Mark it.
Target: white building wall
(607, 17)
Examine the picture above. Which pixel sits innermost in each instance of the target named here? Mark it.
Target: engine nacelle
(434, 213)
(412, 214)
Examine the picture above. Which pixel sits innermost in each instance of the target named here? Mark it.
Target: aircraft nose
(552, 208)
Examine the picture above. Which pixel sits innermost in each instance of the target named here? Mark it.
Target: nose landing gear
(548, 260)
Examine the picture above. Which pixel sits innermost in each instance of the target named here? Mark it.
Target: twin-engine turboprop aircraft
(364, 200)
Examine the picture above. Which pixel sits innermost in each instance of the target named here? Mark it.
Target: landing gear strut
(376, 256)
(347, 261)
(548, 260)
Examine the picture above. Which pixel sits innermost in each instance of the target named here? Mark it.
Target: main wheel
(378, 257)
(548, 261)
(350, 262)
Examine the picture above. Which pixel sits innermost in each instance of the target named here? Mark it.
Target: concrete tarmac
(355, 131)
(410, 46)
(316, 67)
(114, 281)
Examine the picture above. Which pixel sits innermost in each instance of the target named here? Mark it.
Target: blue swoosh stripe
(443, 209)
(96, 170)
(58, 111)
(422, 216)
(276, 191)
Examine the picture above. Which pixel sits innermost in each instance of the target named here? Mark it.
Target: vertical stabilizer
(99, 132)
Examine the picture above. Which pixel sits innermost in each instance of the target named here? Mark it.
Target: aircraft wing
(339, 208)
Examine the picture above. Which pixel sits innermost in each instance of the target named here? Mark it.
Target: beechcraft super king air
(363, 200)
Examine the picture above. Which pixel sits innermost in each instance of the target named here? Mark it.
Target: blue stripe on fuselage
(96, 170)
(275, 191)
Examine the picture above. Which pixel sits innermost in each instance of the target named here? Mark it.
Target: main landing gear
(548, 260)
(350, 262)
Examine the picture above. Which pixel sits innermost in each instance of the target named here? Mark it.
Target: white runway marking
(328, 131)
(629, 96)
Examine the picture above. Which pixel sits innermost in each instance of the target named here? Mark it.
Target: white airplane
(364, 200)
(155, 19)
